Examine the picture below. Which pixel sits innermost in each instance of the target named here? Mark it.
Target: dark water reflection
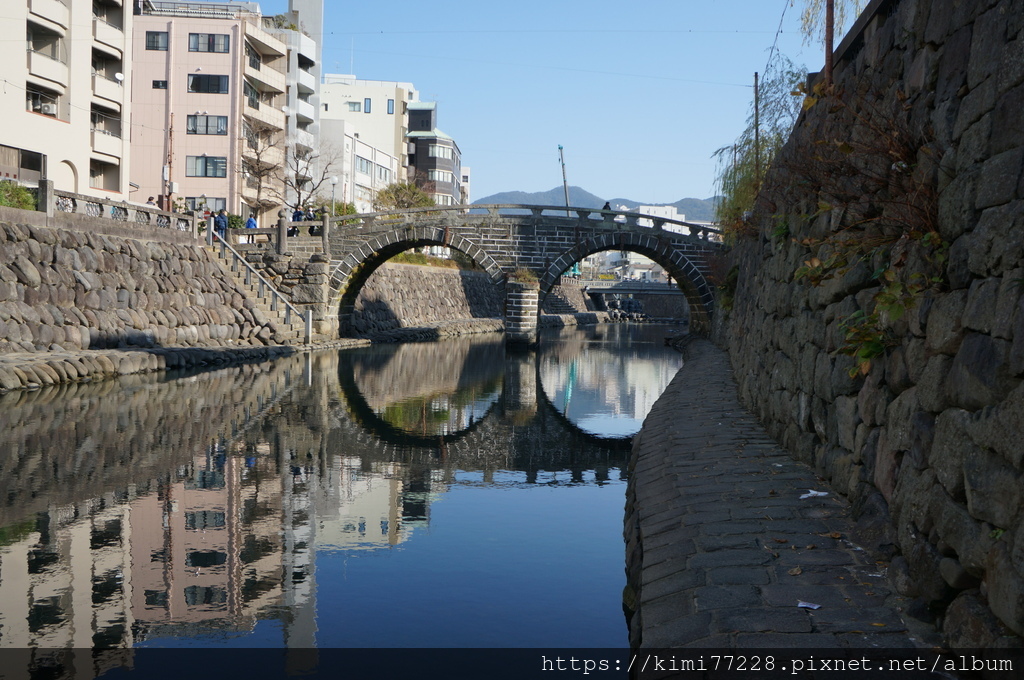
(402, 495)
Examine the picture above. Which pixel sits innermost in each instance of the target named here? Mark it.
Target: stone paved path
(729, 549)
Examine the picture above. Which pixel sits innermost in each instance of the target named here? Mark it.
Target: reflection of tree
(428, 414)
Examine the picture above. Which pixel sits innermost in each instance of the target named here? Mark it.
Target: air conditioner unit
(48, 109)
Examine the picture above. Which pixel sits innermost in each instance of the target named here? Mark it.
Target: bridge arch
(699, 293)
(351, 274)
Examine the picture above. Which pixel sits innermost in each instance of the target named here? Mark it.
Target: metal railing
(263, 286)
(119, 211)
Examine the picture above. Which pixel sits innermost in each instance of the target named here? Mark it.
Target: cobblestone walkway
(732, 556)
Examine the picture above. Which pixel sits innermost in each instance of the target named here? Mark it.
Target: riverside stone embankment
(94, 301)
(878, 323)
(101, 298)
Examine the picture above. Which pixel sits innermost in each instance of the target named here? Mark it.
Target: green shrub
(16, 196)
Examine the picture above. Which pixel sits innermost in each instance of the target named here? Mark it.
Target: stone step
(292, 332)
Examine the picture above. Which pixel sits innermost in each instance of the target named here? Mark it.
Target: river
(447, 494)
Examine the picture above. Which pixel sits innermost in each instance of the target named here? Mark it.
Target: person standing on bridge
(251, 224)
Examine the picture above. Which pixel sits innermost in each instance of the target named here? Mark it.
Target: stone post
(521, 302)
(45, 197)
(282, 231)
(325, 234)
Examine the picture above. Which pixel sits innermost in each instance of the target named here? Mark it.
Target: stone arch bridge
(507, 241)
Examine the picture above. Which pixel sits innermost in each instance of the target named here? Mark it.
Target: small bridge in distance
(522, 247)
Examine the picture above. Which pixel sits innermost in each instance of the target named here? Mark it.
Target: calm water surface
(418, 495)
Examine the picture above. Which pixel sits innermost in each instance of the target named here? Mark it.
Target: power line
(785, 6)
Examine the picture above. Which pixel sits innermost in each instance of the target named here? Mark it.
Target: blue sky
(639, 93)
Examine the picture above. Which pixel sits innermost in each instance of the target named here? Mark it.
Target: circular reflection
(424, 390)
(605, 379)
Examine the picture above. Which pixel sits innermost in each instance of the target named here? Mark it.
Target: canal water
(448, 494)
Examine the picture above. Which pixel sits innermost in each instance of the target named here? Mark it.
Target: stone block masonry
(924, 434)
(65, 290)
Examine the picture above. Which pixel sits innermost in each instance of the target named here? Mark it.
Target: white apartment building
(65, 97)
(365, 123)
(212, 117)
(302, 99)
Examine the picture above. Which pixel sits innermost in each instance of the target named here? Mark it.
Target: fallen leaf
(811, 547)
(795, 571)
(835, 534)
(880, 625)
(781, 540)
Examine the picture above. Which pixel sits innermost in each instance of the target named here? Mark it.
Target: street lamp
(334, 183)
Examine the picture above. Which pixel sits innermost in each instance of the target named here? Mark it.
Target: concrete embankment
(724, 543)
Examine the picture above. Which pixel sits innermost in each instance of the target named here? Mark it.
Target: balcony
(46, 67)
(108, 89)
(306, 81)
(304, 139)
(267, 78)
(266, 114)
(52, 10)
(106, 143)
(304, 111)
(108, 35)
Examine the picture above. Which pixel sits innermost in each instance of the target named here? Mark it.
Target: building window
(206, 125)
(252, 95)
(443, 199)
(439, 151)
(391, 106)
(197, 203)
(159, 84)
(200, 82)
(384, 174)
(364, 166)
(355, 107)
(440, 176)
(366, 105)
(42, 101)
(254, 58)
(206, 166)
(209, 42)
(156, 40)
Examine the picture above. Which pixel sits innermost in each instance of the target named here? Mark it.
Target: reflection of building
(217, 544)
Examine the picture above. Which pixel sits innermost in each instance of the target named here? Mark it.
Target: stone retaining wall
(924, 434)
(68, 289)
(399, 296)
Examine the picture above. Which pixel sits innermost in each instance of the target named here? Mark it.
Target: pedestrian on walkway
(220, 224)
(251, 224)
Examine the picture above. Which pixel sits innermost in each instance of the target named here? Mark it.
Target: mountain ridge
(697, 209)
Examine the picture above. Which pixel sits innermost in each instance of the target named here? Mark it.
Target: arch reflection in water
(605, 379)
(247, 506)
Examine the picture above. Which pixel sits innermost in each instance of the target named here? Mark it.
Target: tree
(739, 173)
(306, 175)
(262, 155)
(400, 196)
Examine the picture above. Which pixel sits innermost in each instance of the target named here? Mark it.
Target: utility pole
(830, 9)
(757, 135)
(565, 183)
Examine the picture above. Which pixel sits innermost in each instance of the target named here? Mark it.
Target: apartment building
(65, 95)
(363, 124)
(435, 162)
(210, 91)
(388, 120)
